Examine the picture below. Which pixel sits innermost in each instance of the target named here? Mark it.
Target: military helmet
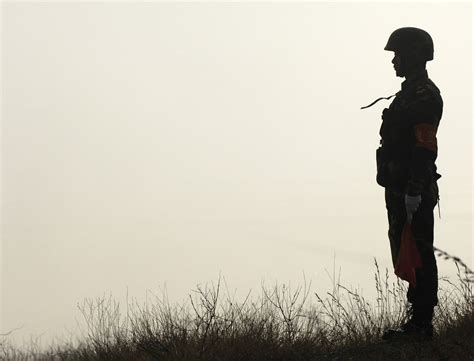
(411, 40)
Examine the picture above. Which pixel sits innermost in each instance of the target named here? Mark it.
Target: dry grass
(282, 324)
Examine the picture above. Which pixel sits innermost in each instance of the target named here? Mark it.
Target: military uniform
(406, 165)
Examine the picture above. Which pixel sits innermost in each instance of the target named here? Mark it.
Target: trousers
(426, 292)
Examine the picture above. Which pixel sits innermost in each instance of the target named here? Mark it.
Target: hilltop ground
(283, 324)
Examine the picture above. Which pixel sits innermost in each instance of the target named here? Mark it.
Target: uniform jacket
(408, 151)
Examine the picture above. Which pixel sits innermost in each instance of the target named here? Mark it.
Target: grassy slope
(283, 324)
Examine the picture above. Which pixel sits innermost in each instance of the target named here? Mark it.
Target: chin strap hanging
(368, 106)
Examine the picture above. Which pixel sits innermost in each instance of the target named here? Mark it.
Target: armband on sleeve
(425, 137)
(424, 155)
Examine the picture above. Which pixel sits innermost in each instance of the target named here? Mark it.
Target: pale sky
(159, 144)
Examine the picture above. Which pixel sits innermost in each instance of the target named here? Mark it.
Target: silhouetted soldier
(406, 168)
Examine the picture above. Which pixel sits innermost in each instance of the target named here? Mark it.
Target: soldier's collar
(415, 79)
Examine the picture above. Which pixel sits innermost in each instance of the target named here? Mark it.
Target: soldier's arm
(426, 112)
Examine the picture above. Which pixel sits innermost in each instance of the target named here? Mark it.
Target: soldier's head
(413, 47)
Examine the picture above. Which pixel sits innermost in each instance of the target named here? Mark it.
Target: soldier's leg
(424, 297)
(425, 293)
(396, 213)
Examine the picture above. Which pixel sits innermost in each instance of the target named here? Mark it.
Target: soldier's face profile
(397, 64)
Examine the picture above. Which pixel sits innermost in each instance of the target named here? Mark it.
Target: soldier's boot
(418, 328)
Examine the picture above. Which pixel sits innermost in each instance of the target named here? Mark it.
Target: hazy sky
(152, 144)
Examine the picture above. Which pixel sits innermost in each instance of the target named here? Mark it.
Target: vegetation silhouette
(282, 324)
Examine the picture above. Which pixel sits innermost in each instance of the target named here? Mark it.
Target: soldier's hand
(411, 203)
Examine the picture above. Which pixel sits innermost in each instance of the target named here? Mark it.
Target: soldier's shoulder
(427, 88)
(426, 91)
